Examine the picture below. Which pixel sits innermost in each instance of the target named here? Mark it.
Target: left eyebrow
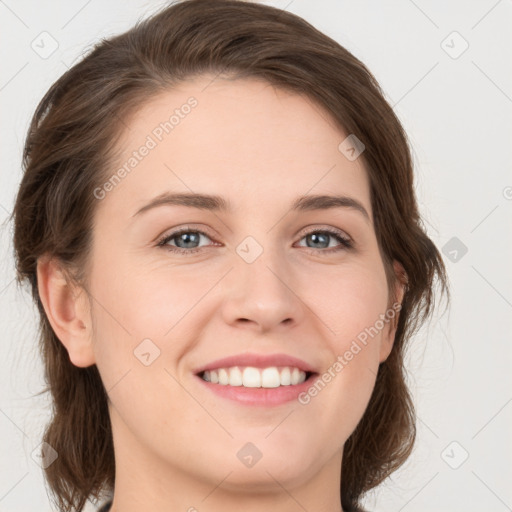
(325, 202)
(218, 203)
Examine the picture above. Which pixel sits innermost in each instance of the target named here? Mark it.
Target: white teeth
(235, 377)
(223, 377)
(270, 378)
(251, 377)
(285, 377)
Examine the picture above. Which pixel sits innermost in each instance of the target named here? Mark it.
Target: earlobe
(388, 337)
(67, 311)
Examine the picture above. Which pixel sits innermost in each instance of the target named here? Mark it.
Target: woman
(256, 370)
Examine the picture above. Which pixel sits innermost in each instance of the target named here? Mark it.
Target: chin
(259, 466)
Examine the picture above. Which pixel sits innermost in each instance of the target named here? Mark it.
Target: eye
(186, 240)
(322, 237)
(186, 237)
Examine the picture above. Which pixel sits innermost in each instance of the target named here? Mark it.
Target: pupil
(316, 236)
(185, 237)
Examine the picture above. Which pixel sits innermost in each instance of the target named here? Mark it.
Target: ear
(389, 331)
(67, 310)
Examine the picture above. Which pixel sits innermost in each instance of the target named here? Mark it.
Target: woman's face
(259, 277)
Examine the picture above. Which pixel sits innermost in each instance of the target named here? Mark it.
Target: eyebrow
(220, 204)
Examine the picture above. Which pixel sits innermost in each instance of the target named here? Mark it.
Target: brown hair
(70, 147)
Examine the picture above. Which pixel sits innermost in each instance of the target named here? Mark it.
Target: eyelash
(345, 242)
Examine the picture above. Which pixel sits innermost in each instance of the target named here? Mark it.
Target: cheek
(348, 299)
(140, 325)
(137, 300)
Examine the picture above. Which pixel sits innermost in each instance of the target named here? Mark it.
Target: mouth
(252, 377)
(257, 387)
(257, 379)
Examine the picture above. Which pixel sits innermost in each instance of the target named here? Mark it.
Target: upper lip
(257, 361)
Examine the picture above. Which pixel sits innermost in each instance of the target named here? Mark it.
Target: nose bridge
(260, 289)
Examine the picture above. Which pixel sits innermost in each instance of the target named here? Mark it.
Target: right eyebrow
(200, 201)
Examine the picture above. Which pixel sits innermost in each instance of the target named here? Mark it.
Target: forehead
(243, 139)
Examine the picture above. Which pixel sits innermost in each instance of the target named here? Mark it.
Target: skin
(175, 442)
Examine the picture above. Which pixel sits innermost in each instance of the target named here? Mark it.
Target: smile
(251, 377)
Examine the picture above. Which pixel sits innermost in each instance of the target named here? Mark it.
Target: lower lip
(265, 397)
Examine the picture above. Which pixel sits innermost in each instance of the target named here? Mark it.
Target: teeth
(285, 376)
(296, 377)
(223, 377)
(251, 377)
(235, 377)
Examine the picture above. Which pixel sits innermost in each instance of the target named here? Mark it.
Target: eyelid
(330, 229)
(180, 227)
(347, 241)
(187, 227)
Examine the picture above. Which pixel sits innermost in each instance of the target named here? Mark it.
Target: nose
(262, 295)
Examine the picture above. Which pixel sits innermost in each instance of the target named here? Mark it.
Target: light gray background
(457, 112)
